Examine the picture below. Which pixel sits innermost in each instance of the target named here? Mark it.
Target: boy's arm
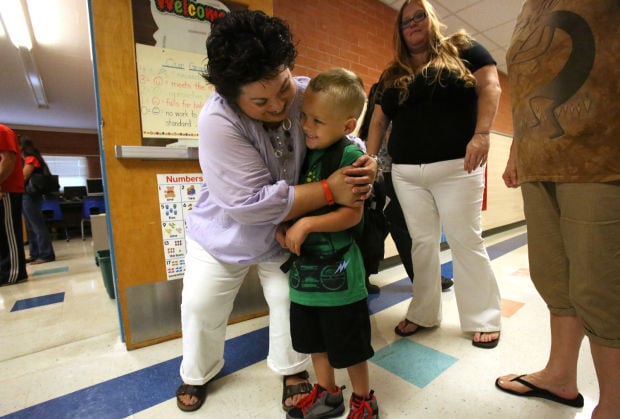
(340, 219)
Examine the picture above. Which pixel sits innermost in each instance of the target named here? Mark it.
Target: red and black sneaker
(363, 408)
(318, 404)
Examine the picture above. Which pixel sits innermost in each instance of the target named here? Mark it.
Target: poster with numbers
(177, 195)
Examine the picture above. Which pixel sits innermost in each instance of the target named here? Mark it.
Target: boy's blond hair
(342, 86)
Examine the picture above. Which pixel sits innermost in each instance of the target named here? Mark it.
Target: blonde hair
(344, 87)
(443, 54)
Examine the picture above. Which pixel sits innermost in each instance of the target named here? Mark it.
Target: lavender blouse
(249, 173)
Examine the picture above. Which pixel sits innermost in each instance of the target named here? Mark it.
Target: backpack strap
(330, 162)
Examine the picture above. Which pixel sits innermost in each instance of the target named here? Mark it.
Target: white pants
(443, 193)
(209, 290)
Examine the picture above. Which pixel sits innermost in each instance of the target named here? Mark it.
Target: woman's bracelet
(377, 159)
(328, 193)
(482, 132)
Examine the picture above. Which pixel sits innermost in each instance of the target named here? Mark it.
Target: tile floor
(61, 355)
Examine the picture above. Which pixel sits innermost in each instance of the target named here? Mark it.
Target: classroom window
(71, 170)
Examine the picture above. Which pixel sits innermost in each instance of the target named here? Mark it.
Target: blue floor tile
(139, 390)
(38, 301)
(415, 363)
(50, 271)
(507, 246)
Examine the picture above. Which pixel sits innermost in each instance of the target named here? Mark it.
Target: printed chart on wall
(172, 91)
(177, 194)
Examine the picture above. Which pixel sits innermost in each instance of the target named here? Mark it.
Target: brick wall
(356, 35)
(340, 33)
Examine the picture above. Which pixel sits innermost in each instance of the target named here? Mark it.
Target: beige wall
(504, 205)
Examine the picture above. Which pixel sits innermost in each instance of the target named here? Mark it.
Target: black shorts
(343, 332)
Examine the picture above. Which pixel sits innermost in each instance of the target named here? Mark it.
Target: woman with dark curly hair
(251, 148)
(441, 95)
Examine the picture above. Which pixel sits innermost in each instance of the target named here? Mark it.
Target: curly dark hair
(246, 46)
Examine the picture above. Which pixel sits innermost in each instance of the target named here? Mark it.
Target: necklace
(280, 138)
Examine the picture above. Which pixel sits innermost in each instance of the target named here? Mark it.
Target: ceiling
(63, 58)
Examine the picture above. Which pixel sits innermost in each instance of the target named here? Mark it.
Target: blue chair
(91, 205)
(53, 214)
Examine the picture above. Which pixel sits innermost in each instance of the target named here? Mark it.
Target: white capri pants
(443, 193)
(209, 290)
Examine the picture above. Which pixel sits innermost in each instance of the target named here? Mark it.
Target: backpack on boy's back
(374, 231)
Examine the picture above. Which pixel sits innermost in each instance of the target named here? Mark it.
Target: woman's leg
(422, 219)
(43, 248)
(209, 291)
(282, 359)
(397, 226)
(560, 374)
(607, 365)
(458, 195)
(27, 210)
(590, 226)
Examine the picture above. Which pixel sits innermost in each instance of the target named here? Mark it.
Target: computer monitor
(94, 187)
(73, 192)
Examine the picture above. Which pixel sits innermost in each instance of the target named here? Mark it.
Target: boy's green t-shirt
(315, 279)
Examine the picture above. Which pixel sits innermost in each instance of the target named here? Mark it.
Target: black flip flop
(200, 392)
(487, 345)
(400, 333)
(541, 392)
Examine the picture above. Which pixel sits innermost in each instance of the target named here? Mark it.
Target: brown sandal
(199, 392)
(295, 389)
(407, 323)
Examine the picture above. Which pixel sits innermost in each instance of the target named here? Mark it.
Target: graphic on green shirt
(330, 270)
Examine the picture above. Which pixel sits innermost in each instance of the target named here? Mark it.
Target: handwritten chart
(172, 91)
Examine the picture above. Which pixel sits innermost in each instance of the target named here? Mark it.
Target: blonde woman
(441, 96)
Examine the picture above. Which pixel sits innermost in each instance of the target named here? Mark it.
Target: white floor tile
(50, 351)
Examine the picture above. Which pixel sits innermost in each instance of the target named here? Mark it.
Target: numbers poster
(177, 195)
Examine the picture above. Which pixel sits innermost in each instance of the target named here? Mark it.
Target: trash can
(105, 264)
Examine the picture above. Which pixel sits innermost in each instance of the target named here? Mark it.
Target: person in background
(329, 309)
(567, 163)
(251, 149)
(39, 240)
(12, 255)
(396, 224)
(441, 95)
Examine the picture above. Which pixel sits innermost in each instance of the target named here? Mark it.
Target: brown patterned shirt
(564, 72)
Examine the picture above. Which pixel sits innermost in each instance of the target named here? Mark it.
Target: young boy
(329, 312)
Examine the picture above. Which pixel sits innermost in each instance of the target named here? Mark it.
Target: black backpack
(372, 238)
(42, 182)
